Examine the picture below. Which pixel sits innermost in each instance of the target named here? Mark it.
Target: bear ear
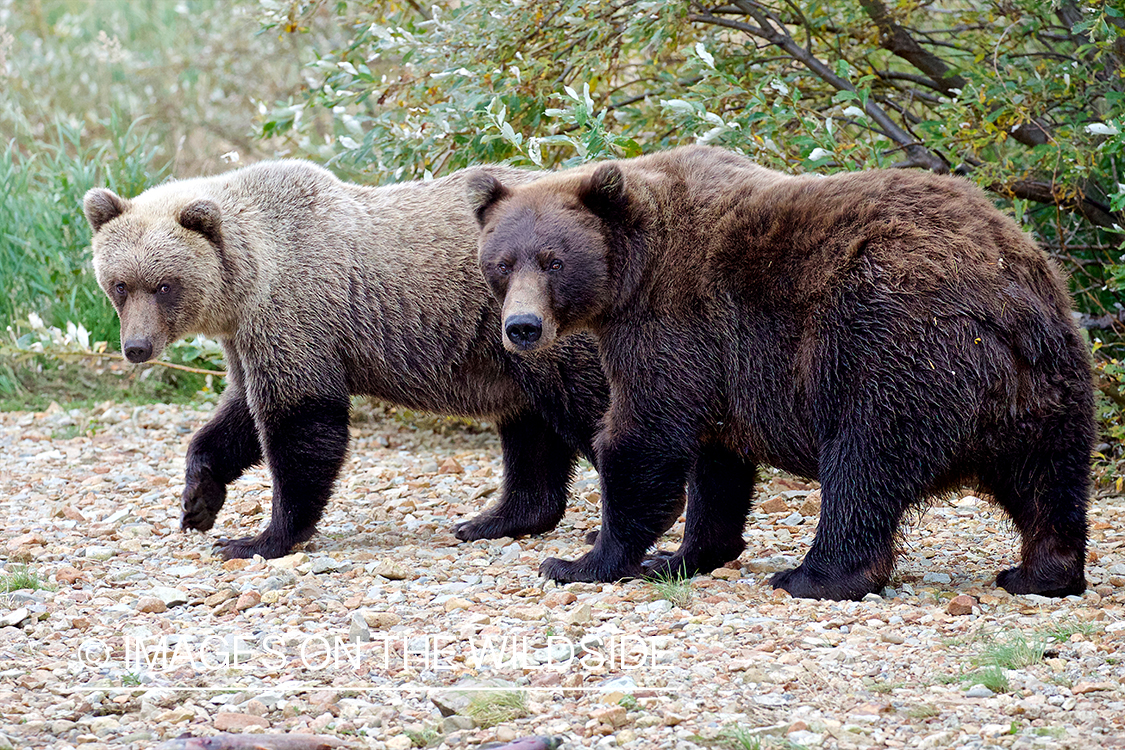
(603, 192)
(203, 216)
(483, 192)
(102, 205)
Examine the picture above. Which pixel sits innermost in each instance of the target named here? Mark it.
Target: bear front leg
(538, 466)
(673, 516)
(720, 490)
(642, 484)
(218, 454)
(306, 445)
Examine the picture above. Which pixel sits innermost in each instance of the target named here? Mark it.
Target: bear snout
(523, 330)
(138, 350)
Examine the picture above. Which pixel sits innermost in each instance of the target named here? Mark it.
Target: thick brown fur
(319, 289)
(889, 333)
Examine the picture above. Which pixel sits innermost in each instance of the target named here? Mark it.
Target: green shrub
(44, 239)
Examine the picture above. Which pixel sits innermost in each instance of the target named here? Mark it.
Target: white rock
(623, 684)
(14, 618)
(170, 596)
(806, 739)
(359, 631)
(324, 565)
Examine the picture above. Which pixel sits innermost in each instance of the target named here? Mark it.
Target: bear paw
(663, 565)
(201, 502)
(262, 544)
(588, 570)
(490, 525)
(801, 584)
(1019, 581)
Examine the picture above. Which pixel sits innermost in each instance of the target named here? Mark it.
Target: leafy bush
(44, 238)
(1023, 97)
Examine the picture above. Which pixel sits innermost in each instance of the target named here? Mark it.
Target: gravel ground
(141, 635)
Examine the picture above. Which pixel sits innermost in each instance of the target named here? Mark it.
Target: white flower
(677, 104)
(710, 135)
(1101, 128)
(779, 87)
(704, 55)
(854, 111)
(818, 153)
(348, 143)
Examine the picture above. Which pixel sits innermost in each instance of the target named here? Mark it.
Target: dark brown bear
(889, 333)
(319, 289)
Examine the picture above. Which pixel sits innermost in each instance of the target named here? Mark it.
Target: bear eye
(119, 287)
(163, 289)
(503, 269)
(556, 265)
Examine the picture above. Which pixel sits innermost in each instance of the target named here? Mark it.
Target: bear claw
(1018, 581)
(201, 501)
(495, 526)
(661, 564)
(568, 571)
(802, 585)
(249, 546)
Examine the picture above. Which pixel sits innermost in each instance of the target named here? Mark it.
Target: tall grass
(44, 239)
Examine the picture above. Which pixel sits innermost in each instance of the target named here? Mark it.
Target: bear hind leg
(865, 489)
(538, 466)
(1045, 492)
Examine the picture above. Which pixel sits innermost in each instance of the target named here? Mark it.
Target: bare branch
(895, 39)
(1040, 191)
(894, 75)
(420, 10)
(773, 31)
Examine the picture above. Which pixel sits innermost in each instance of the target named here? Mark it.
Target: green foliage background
(1026, 98)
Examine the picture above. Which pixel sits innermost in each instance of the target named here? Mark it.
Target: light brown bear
(889, 333)
(319, 289)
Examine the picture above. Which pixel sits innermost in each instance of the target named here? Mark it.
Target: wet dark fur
(889, 333)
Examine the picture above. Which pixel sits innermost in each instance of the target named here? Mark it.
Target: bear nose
(524, 330)
(138, 350)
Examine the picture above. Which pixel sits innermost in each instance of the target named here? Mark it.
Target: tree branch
(1040, 191)
(771, 29)
(894, 75)
(420, 10)
(897, 40)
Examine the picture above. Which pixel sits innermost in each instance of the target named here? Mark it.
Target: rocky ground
(386, 632)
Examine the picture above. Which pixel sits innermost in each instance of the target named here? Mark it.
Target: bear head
(158, 258)
(547, 250)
